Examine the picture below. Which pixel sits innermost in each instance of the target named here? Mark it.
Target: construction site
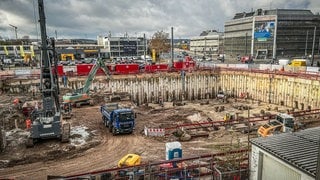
(183, 120)
(212, 112)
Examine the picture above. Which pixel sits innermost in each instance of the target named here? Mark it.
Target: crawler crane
(46, 122)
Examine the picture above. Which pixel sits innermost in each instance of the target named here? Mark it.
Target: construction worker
(64, 80)
(28, 123)
(17, 103)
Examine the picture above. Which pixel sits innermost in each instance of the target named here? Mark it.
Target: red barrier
(84, 70)
(156, 67)
(60, 70)
(126, 69)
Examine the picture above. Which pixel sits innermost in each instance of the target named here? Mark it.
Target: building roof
(279, 12)
(299, 149)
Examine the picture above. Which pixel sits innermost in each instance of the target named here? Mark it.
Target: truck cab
(118, 120)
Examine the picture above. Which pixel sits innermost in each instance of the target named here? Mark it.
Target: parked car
(7, 61)
(72, 63)
(246, 59)
(88, 60)
(64, 62)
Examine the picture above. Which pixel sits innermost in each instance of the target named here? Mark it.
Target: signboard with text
(129, 47)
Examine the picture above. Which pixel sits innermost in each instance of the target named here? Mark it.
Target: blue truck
(118, 120)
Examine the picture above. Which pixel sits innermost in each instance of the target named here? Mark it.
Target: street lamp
(15, 30)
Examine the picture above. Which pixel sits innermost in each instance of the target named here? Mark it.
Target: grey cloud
(79, 18)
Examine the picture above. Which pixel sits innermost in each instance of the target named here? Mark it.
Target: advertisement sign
(264, 30)
(129, 47)
(264, 27)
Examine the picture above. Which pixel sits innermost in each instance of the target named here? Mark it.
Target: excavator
(283, 123)
(81, 96)
(46, 122)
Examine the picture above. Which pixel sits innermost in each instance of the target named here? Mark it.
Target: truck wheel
(106, 123)
(114, 131)
(110, 128)
(30, 142)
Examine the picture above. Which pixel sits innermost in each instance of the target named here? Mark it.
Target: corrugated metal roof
(299, 149)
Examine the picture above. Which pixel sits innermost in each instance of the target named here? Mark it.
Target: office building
(276, 33)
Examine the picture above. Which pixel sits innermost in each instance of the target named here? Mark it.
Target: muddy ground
(92, 147)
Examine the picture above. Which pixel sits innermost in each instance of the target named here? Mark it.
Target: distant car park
(7, 61)
(246, 59)
(64, 62)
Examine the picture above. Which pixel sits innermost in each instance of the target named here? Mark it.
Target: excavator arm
(100, 63)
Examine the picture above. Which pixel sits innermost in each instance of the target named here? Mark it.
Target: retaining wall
(291, 90)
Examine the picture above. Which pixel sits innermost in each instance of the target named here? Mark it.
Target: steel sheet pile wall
(167, 87)
(276, 88)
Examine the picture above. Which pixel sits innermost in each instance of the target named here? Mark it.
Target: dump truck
(118, 120)
(283, 123)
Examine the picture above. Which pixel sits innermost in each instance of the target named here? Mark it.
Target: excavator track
(30, 142)
(65, 132)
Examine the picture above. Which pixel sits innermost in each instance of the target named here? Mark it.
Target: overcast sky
(89, 18)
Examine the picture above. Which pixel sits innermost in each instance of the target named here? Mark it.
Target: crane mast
(46, 121)
(48, 82)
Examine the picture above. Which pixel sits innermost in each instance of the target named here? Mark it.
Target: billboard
(264, 28)
(129, 47)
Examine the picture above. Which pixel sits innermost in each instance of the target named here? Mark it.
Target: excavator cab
(66, 110)
(287, 121)
(282, 124)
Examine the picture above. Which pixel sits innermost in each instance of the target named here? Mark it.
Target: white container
(173, 150)
(283, 62)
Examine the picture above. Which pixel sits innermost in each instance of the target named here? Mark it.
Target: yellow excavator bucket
(129, 160)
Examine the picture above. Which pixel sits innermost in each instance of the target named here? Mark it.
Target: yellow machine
(129, 160)
(66, 57)
(228, 117)
(270, 129)
(27, 58)
(298, 62)
(282, 123)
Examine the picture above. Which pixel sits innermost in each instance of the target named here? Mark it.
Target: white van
(7, 61)
(283, 62)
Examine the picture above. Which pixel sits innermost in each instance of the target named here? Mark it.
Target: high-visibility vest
(28, 123)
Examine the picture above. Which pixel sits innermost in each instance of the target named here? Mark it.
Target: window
(125, 116)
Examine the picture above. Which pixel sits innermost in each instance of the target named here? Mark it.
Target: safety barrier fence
(154, 131)
(250, 120)
(301, 72)
(183, 168)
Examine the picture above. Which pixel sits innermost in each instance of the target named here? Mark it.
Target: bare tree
(160, 42)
